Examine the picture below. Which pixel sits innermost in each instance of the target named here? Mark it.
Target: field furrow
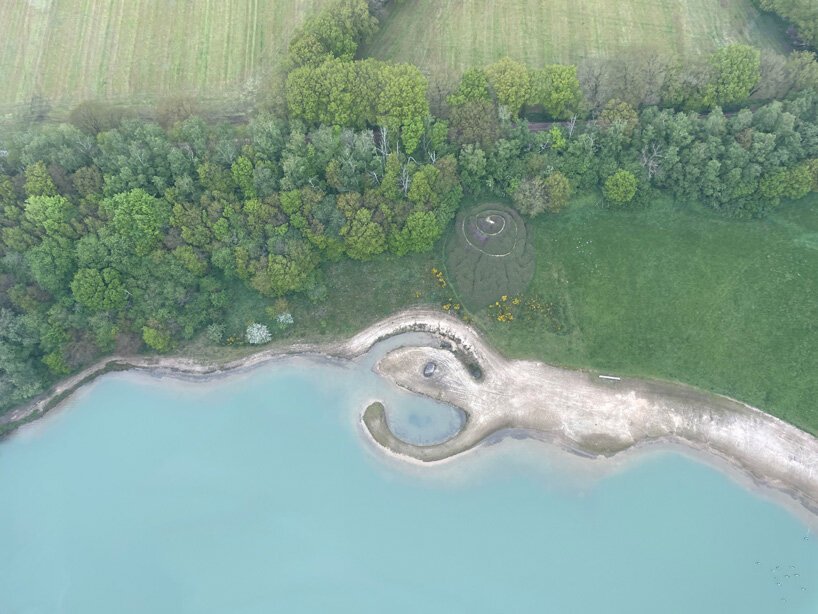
(67, 51)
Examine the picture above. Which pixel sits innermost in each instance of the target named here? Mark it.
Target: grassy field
(67, 51)
(668, 292)
(446, 36)
(682, 295)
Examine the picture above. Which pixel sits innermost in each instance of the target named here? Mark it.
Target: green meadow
(680, 294)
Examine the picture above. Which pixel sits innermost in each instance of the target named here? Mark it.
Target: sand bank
(596, 417)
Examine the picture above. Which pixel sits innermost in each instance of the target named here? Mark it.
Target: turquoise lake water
(259, 493)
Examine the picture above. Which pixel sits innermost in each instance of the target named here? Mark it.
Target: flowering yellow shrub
(503, 310)
(439, 277)
(451, 307)
(533, 308)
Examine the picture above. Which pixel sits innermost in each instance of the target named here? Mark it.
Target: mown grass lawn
(680, 294)
(444, 37)
(67, 51)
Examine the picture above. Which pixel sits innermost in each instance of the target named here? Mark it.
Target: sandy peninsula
(589, 415)
(576, 410)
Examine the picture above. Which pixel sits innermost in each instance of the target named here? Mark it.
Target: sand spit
(576, 410)
(592, 416)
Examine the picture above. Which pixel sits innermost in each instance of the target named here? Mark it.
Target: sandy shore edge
(574, 410)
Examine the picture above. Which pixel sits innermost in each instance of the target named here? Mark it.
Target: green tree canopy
(534, 195)
(511, 83)
(556, 88)
(51, 215)
(138, 219)
(402, 99)
(99, 290)
(474, 123)
(529, 196)
(363, 238)
(620, 188)
(558, 191)
(358, 94)
(39, 181)
(418, 234)
(335, 31)
(619, 114)
(736, 71)
(473, 86)
(157, 339)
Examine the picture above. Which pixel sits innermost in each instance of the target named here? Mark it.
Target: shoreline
(579, 465)
(572, 410)
(408, 321)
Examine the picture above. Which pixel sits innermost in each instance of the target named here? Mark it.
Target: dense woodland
(121, 234)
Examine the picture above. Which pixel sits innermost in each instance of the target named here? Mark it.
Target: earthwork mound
(488, 255)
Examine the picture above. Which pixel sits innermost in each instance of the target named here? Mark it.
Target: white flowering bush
(285, 319)
(258, 334)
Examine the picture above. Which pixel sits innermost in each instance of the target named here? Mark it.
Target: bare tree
(405, 179)
(775, 81)
(226, 151)
(440, 87)
(188, 151)
(651, 159)
(138, 153)
(382, 143)
(426, 143)
(571, 125)
(593, 83)
(657, 70)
